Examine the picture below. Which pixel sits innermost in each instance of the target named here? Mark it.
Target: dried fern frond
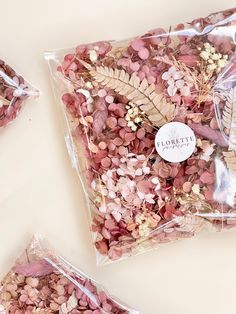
(229, 118)
(190, 223)
(164, 59)
(4, 101)
(230, 159)
(138, 92)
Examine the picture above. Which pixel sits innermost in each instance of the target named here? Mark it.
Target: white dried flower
(93, 55)
(205, 55)
(196, 189)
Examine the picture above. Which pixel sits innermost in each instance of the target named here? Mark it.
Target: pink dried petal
(118, 109)
(207, 178)
(123, 151)
(134, 66)
(102, 93)
(144, 53)
(110, 224)
(102, 247)
(103, 47)
(145, 69)
(209, 195)
(109, 99)
(137, 44)
(129, 137)
(107, 307)
(106, 162)
(122, 122)
(111, 122)
(191, 170)
(141, 75)
(187, 187)
(140, 134)
(102, 296)
(111, 146)
(159, 36)
(106, 234)
(102, 145)
(124, 62)
(144, 186)
(151, 79)
(118, 141)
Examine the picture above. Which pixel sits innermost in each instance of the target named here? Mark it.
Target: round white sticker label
(175, 142)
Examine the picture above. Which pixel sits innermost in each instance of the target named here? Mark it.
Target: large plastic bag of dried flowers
(151, 130)
(14, 90)
(43, 282)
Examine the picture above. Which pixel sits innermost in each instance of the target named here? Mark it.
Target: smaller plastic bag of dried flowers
(43, 282)
(14, 90)
(151, 131)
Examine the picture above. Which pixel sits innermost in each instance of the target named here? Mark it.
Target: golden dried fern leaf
(4, 101)
(230, 159)
(138, 92)
(229, 118)
(189, 223)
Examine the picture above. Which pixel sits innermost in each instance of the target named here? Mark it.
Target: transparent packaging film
(41, 281)
(150, 127)
(14, 90)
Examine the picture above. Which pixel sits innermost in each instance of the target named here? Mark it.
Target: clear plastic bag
(43, 282)
(150, 128)
(14, 90)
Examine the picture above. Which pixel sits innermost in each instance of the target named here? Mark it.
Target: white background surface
(39, 191)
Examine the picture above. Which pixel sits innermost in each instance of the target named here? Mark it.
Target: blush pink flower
(176, 82)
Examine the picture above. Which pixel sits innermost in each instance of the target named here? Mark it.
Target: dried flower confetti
(14, 90)
(45, 283)
(146, 186)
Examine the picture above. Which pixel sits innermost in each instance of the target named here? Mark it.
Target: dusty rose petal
(134, 66)
(143, 53)
(111, 122)
(129, 137)
(207, 178)
(118, 141)
(137, 44)
(187, 187)
(122, 150)
(106, 162)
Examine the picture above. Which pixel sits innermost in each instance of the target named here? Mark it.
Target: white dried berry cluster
(133, 116)
(144, 225)
(215, 61)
